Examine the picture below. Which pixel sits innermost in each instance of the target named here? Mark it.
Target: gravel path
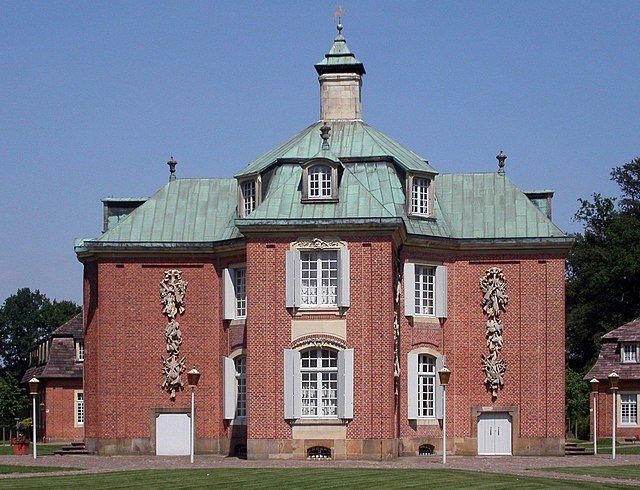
(516, 465)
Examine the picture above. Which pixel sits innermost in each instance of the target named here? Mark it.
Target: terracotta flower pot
(20, 448)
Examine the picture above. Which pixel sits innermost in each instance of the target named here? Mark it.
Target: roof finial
(501, 158)
(325, 132)
(340, 11)
(172, 169)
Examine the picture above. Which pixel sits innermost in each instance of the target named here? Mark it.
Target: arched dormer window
(320, 181)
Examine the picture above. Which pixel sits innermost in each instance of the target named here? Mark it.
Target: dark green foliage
(26, 318)
(603, 268)
(13, 402)
(576, 404)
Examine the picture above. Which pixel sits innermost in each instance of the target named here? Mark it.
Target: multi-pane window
(79, 351)
(241, 386)
(319, 373)
(629, 409)
(248, 197)
(420, 196)
(319, 183)
(426, 386)
(240, 285)
(319, 278)
(79, 408)
(630, 353)
(424, 290)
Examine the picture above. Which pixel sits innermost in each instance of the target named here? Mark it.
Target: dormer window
(248, 196)
(79, 350)
(629, 353)
(419, 196)
(320, 182)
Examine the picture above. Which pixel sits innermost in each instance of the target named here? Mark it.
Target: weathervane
(340, 11)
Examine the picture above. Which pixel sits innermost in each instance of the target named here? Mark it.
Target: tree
(603, 268)
(13, 402)
(26, 318)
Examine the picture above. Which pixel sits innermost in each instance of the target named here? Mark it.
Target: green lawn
(604, 447)
(43, 449)
(630, 472)
(307, 478)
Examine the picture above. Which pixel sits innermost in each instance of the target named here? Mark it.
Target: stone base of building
(336, 449)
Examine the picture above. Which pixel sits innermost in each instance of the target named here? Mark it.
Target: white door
(173, 433)
(494, 434)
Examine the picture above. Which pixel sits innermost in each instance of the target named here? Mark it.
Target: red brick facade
(124, 344)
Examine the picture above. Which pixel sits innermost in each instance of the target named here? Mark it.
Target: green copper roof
(183, 211)
(349, 139)
(489, 205)
(340, 59)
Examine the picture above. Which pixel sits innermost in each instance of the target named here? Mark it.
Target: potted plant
(20, 443)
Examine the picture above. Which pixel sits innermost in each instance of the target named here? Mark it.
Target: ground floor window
(318, 383)
(79, 408)
(629, 409)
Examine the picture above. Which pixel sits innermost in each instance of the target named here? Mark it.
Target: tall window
(319, 371)
(235, 292)
(424, 290)
(248, 197)
(240, 280)
(629, 409)
(319, 183)
(630, 353)
(426, 386)
(319, 278)
(420, 196)
(79, 408)
(79, 351)
(241, 386)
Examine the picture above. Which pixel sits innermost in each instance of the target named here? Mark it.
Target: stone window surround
(241, 197)
(430, 196)
(333, 198)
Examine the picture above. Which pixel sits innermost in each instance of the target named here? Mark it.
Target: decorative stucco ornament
(317, 244)
(494, 301)
(172, 291)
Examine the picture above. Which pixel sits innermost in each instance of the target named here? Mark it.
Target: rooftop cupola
(340, 75)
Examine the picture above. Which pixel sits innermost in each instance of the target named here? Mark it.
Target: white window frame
(420, 195)
(293, 384)
(78, 408)
(79, 345)
(417, 399)
(320, 181)
(235, 292)
(440, 287)
(628, 403)
(296, 277)
(249, 195)
(629, 353)
(235, 387)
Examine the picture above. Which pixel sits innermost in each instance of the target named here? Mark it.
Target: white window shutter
(230, 388)
(439, 394)
(292, 278)
(441, 291)
(228, 294)
(345, 384)
(412, 386)
(343, 277)
(409, 276)
(292, 384)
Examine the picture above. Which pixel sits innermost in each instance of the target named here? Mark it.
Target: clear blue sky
(95, 97)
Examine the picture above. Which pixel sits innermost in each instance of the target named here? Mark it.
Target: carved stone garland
(494, 302)
(172, 291)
